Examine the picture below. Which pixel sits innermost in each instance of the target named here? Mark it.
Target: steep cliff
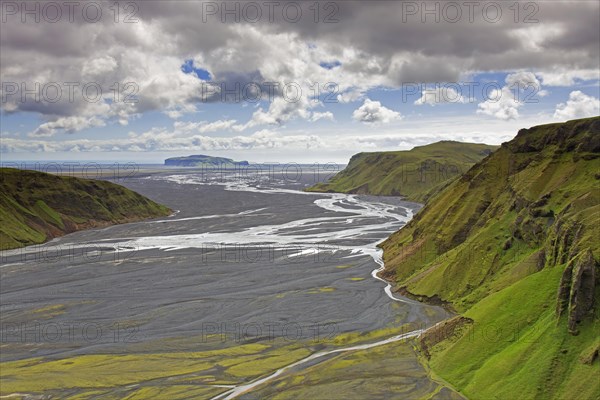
(513, 245)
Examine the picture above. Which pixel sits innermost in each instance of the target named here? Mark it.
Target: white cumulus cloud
(372, 112)
(521, 87)
(568, 77)
(322, 115)
(67, 125)
(579, 105)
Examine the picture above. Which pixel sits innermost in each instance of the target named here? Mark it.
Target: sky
(286, 81)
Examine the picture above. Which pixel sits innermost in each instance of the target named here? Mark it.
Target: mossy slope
(36, 207)
(498, 243)
(415, 174)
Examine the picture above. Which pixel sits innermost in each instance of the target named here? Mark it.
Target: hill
(200, 160)
(513, 245)
(414, 174)
(36, 207)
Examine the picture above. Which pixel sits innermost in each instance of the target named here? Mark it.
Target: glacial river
(246, 259)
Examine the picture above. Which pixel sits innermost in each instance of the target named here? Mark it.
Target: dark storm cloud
(378, 43)
(386, 28)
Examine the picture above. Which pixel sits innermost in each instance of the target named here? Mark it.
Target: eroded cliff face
(576, 290)
(513, 245)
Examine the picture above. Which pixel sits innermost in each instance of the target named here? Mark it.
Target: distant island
(36, 207)
(199, 160)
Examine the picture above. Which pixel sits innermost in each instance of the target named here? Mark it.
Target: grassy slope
(415, 174)
(35, 207)
(495, 243)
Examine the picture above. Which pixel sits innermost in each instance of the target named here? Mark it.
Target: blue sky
(397, 84)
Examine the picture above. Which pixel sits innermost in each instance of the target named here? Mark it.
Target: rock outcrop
(576, 290)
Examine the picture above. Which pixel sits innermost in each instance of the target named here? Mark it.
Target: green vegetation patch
(416, 174)
(35, 206)
(497, 243)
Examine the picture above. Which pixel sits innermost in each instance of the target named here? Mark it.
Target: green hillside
(513, 245)
(36, 207)
(415, 174)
